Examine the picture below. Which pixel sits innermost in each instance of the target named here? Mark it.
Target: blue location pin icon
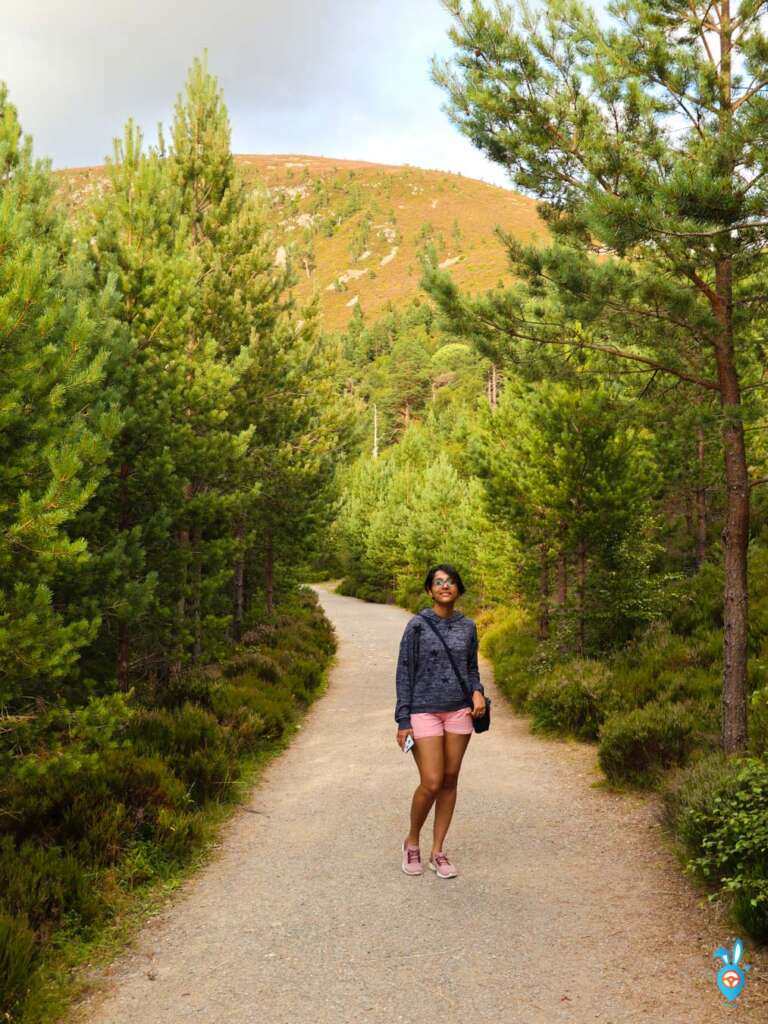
(731, 977)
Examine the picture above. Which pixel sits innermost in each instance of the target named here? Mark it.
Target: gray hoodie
(425, 680)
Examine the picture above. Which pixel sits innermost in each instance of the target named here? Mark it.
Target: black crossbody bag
(482, 723)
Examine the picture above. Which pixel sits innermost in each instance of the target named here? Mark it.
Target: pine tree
(645, 142)
(139, 237)
(237, 298)
(282, 404)
(55, 430)
(575, 483)
(302, 428)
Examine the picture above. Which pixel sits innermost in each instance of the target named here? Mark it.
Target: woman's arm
(406, 674)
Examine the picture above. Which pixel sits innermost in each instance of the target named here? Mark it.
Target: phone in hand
(408, 743)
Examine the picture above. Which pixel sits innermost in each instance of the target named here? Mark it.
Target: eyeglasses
(443, 583)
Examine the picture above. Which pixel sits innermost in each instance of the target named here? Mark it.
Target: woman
(432, 706)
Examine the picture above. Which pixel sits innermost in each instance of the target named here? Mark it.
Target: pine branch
(748, 95)
(637, 311)
(742, 192)
(703, 287)
(702, 34)
(594, 346)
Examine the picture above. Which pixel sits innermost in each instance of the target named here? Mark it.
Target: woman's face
(443, 589)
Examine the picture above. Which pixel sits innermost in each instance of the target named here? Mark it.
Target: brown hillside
(353, 229)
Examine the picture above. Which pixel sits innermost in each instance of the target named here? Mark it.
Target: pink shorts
(435, 723)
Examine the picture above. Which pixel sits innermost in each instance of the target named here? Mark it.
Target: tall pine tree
(55, 430)
(139, 238)
(645, 142)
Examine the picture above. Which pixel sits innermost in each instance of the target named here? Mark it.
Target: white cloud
(342, 78)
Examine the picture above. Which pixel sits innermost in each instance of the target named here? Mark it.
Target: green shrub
(634, 686)
(305, 675)
(512, 647)
(694, 787)
(89, 804)
(705, 716)
(696, 602)
(100, 724)
(722, 817)
(637, 746)
(513, 681)
(264, 667)
(178, 833)
(187, 688)
(708, 644)
(276, 708)
(101, 799)
(282, 657)
(209, 773)
(757, 729)
(263, 634)
(572, 699)
(195, 745)
(375, 593)
(233, 705)
(252, 661)
(696, 684)
(18, 949)
(665, 668)
(178, 731)
(44, 884)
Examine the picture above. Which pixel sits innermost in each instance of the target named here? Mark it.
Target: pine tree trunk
(492, 387)
(544, 594)
(735, 535)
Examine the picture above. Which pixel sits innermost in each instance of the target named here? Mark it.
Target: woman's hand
(478, 704)
(401, 735)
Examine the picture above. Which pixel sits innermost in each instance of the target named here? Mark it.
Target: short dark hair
(449, 571)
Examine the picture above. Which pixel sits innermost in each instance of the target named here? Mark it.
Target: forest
(186, 445)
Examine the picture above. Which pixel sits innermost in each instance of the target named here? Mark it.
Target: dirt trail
(569, 905)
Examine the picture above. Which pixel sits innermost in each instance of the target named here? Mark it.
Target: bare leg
(428, 754)
(455, 745)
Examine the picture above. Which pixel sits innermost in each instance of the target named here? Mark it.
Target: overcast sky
(339, 78)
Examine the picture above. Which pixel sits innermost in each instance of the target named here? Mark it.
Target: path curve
(569, 907)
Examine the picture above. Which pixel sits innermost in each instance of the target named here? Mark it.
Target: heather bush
(719, 811)
(572, 699)
(637, 746)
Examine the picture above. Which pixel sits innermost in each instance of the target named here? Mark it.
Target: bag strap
(441, 638)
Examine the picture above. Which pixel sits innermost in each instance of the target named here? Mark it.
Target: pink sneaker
(442, 866)
(411, 859)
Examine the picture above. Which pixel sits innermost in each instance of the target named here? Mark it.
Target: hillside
(353, 229)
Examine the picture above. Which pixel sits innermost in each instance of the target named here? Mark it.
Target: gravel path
(569, 905)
